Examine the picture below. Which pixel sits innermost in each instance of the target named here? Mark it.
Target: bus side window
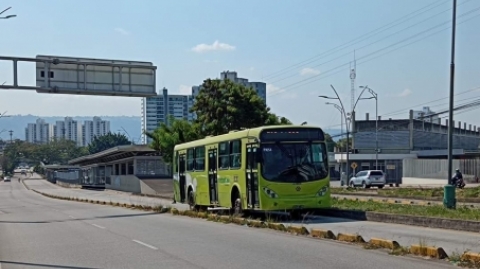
(200, 159)
(224, 155)
(235, 154)
(190, 160)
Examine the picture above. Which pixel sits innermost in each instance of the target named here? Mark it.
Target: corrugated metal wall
(434, 168)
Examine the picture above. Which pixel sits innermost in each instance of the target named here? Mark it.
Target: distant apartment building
(259, 87)
(425, 114)
(157, 110)
(93, 128)
(41, 132)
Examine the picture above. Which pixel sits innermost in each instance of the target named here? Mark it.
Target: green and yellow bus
(270, 168)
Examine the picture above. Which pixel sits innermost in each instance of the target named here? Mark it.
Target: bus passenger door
(181, 175)
(212, 176)
(252, 177)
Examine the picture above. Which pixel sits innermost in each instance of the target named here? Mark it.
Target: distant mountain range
(132, 124)
(18, 123)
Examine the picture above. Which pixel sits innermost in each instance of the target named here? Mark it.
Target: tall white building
(68, 129)
(157, 110)
(39, 132)
(92, 128)
(259, 87)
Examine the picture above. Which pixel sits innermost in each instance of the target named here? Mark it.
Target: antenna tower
(353, 75)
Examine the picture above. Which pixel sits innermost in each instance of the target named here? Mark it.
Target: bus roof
(232, 135)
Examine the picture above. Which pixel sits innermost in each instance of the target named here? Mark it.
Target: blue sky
(190, 41)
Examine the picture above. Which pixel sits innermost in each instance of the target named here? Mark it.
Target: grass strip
(435, 211)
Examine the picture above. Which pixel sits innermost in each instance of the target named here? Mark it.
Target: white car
(368, 178)
(6, 179)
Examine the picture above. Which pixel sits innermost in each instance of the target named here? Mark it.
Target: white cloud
(307, 71)
(405, 93)
(216, 46)
(184, 89)
(211, 61)
(121, 31)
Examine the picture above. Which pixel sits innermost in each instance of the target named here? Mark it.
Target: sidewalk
(46, 187)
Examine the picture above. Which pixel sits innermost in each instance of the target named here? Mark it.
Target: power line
(417, 105)
(362, 37)
(369, 44)
(367, 60)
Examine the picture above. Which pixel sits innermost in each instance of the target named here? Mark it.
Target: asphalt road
(451, 241)
(39, 232)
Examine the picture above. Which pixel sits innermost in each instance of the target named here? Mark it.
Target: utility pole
(452, 84)
(11, 136)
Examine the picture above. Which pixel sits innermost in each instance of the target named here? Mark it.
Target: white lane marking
(147, 245)
(98, 226)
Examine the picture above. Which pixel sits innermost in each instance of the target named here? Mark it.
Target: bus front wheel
(191, 199)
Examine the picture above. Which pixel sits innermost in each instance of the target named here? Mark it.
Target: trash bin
(449, 200)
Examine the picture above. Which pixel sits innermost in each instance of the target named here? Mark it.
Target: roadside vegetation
(471, 195)
(438, 211)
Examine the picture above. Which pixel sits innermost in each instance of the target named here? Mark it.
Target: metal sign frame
(55, 61)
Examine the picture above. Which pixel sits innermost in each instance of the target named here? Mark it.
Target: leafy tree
(342, 144)
(273, 119)
(223, 105)
(55, 152)
(330, 143)
(104, 142)
(165, 137)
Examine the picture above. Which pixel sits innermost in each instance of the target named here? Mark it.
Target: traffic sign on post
(354, 165)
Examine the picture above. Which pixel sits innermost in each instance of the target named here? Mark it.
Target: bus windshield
(294, 162)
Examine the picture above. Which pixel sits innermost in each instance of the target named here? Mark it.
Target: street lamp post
(339, 108)
(8, 16)
(348, 129)
(374, 96)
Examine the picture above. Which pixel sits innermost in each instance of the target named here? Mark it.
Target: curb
(449, 224)
(389, 244)
(428, 251)
(350, 238)
(395, 247)
(325, 234)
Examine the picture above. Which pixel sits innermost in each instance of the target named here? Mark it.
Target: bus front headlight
(270, 193)
(323, 191)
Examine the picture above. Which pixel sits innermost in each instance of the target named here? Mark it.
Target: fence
(438, 169)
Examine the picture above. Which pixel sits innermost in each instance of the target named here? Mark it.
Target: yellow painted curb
(276, 226)
(471, 256)
(256, 223)
(352, 238)
(240, 221)
(390, 244)
(225, 218)
(297, 230)
(319, 233)
(428, 251)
